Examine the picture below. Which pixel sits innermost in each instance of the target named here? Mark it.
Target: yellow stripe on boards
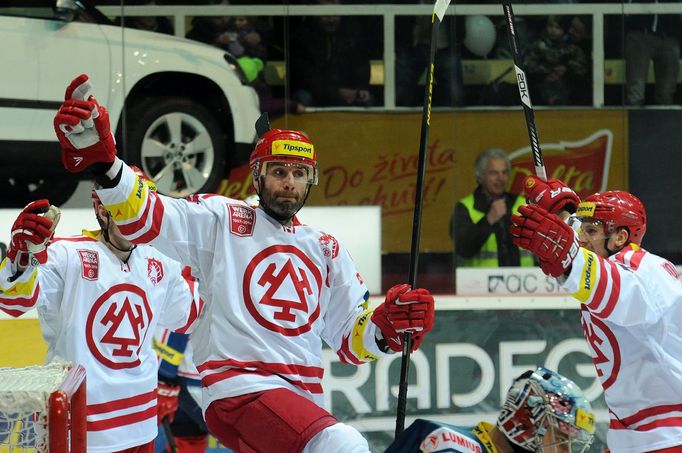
(22, 343)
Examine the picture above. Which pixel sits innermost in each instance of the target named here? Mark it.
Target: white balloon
(480, 35)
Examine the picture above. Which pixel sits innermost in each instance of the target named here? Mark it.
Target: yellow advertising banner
(370, 158)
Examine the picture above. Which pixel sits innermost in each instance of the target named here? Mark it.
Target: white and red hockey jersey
(632, 319)
(272, 293)
(99, 312)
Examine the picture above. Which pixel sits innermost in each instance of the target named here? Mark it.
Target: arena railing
(182, 14)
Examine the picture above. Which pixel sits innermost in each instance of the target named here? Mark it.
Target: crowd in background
(556, 55)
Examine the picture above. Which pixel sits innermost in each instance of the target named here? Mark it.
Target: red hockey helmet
(277, 145)
(616, 209)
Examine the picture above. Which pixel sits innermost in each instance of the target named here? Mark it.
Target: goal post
(43, 408)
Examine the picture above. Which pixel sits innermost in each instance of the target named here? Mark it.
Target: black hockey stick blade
(169, 435)
(262, 124)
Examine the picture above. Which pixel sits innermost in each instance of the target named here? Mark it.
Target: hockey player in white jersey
(274, 289)
(631, 306)
(99, 299)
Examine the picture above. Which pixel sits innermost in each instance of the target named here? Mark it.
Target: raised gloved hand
(31, 232)
(167, 401)
(551, 195)
(82, 128)
(547, 237)
(405, 310)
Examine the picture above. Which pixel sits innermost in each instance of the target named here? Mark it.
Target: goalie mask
(615, 209)
(542, 404)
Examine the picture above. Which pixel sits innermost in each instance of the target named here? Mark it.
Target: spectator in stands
(236, 35)
(656, 38)
(480, 221)
(413, 46)
(274, 105)
(580, 32)
(554, 64)
(330, 64)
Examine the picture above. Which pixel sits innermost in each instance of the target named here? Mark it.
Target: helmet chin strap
(107, 238)
(606, 242)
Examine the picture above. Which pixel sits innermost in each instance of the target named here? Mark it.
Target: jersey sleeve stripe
(344, 353)
(24, 287)
(588, 276)
(137, 223)
(152, 225)
(16, 306)
(602, 283)
(614, 287)
(132, 205)
(643, 414)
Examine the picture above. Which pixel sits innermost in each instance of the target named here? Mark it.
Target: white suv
(181, 110)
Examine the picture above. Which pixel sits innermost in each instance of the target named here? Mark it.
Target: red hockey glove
(547, 237)
(82, 128)
(404, 310)
(551, 195)
(31, 232)
(167, 401)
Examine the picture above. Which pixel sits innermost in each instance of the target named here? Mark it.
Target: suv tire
(178, 143)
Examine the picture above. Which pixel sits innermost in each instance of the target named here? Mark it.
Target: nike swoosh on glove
(83, 129)
(405, 310)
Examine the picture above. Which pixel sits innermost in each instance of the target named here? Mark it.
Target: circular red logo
(604, 346)
(282, 289)
(117, 326)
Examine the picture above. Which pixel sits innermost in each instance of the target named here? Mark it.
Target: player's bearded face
(284, 188)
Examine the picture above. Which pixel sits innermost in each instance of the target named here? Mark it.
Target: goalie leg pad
(273, 420)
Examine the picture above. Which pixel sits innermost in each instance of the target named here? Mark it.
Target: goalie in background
(99, 299)
(543, 412)
(631, 305)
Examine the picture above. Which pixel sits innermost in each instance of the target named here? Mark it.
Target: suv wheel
(177, 143)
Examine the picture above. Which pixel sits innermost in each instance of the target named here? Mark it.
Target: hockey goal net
(42, 409)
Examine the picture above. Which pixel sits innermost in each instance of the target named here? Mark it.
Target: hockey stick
(522, 82)
(439, 9)
(169, 435)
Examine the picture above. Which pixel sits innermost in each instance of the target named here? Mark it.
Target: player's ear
(622, 237)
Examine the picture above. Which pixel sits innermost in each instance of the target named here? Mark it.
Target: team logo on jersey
(444, 439)
(282, 290)
(154, 271)
(117, 326)
(89, 264)
(330, 246)
(604, 346)
(242, 220)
